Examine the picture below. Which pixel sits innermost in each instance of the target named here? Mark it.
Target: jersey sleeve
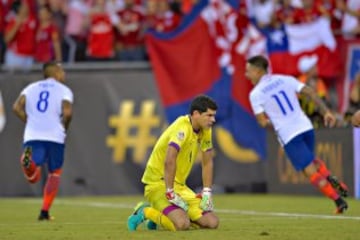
(206, 141)
(68, 95)
(26, 90)
(178, 137)
(256, 103)
(295, 84)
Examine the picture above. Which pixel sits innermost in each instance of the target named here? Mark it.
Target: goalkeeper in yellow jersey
(172, 204)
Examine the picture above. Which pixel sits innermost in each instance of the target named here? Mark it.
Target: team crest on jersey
(180, 136)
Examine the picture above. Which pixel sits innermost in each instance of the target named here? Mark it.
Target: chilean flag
(199, 58)
(287, 43)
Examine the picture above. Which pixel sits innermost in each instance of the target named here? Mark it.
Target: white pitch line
(227, 211)
(289, 215)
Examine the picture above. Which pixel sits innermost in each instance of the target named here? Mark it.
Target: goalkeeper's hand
(206, 202)
(175, 199)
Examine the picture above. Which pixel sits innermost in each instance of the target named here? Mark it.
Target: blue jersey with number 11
(44, 108)
(276, 95)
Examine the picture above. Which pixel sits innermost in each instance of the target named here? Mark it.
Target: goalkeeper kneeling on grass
(171, 204)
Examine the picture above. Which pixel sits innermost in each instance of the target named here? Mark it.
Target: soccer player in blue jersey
(46, 109)
(174, 206)
(274, 100)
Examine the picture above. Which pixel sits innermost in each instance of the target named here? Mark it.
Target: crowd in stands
(36, 31)
(82, 30)
(343, 14)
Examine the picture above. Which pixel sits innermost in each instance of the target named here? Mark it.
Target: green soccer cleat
(138, 217)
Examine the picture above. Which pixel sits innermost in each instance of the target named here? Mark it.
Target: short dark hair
(259, 61)
(202, 103)
(49, 68)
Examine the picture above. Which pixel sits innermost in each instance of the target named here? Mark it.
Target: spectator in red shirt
(101, 36)
(308, 13)
(130, 42)
(4, 12)
(48, 45)
(150, 15)
(20, 34)
(167, 20)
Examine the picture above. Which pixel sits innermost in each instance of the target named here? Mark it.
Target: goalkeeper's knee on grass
(159, 218)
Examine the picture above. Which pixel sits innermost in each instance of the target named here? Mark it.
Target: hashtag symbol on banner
(133, 131)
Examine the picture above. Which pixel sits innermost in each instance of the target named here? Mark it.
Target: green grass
(247, 217)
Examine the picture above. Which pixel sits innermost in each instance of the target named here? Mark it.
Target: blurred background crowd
(82, 30)
(36, 31)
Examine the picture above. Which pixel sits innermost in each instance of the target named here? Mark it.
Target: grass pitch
(248, 217)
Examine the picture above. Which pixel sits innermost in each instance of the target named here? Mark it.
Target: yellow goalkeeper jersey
(187, 141)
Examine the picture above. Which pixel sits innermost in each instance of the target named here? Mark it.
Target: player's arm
(258, 110)
(170, 166)
(341, 5)
(19, 108)
(66, 113)
(57, 45)
(169, 177)
(12, 29)
(263, 120)
(207, 168)
(329, 118)
(206, 202)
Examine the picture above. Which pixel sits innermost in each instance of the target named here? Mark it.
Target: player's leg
(199, 218)
(208, 220)
(341, 187)
(143, 211)
(32, 158)
(325, 187)
(178, 217)
(163, 213)
(55, 153)
(301, 157)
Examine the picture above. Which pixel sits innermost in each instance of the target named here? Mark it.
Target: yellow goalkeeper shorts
(155, 195)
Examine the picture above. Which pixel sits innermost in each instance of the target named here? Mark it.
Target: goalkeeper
(174, 206)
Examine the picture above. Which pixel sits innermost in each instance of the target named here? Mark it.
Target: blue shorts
(300, 150)
(47, 152)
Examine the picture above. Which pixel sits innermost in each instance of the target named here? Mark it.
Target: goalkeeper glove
(206, 202)
(175, 199)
